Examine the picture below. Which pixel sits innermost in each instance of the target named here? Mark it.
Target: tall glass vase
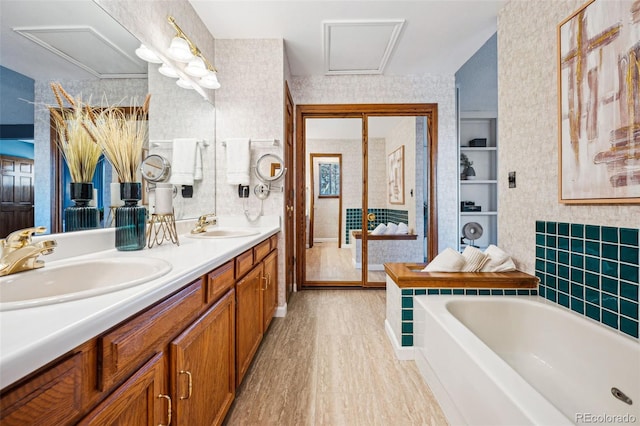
(131, 218)
(81, 216)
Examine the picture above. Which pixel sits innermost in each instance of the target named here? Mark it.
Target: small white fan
(472, 231)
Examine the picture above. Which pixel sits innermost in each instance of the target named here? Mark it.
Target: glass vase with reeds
(122, 135)
(81, 153)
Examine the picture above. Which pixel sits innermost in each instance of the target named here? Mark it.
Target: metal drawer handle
(266, 283)
(188, 373)
(168, 398)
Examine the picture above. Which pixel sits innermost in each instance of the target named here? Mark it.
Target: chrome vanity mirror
(155, 168)
(270, 168)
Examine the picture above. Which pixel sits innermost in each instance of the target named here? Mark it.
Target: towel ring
(270, 168)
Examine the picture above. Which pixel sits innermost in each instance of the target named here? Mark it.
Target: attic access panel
(359, 47)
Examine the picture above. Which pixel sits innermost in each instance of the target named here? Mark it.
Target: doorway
(414, 208)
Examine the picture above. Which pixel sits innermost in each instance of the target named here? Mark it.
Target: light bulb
(210, 81)
(143, 52)
(168, 71)
(196, 67)
(185, 84)
(179, 50)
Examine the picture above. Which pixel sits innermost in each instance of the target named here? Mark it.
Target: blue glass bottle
(131, 219)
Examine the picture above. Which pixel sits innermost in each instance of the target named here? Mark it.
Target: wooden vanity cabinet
(248, 319)
(203, 366)
(177, 362)
(270, 289)
(141, 400)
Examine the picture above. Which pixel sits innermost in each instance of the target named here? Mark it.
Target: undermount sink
(225, 233)
(77, 280)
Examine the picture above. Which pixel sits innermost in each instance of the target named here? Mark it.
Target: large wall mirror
(81, 46)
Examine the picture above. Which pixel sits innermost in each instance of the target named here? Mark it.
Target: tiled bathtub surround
(354, 219)
(592, 270)
(400, 305)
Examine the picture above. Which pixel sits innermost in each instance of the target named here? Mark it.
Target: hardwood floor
(329, 362)
(326, 262)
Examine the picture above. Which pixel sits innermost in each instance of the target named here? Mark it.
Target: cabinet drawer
(274, 241)
(128, 346)
(261, 250)
(219, 281)
(244, 263)
(52, 397)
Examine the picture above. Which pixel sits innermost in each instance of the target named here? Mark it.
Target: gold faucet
(19, 253)
(203, 222)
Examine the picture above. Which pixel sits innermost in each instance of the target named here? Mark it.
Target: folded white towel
(402, 228)
(380, 229)
(391, 228)
(474, 259)
(238, 161)
(183, 161)
(499, 261)
(447, 261)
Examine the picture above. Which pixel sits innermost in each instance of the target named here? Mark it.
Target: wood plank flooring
(326, 262)
(329, 362)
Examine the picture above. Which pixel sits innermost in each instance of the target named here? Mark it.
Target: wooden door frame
(363, 111)
(289, 195)
(312, 189)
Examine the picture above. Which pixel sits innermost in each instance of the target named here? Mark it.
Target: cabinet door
(248, 320)
(203, 366)
(270, 289)
(141, 400)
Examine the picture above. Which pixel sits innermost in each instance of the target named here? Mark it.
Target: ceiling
(58, 40)
(321, 37)
(438, 36)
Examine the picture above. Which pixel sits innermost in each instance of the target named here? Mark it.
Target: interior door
(396, 192)
(16, 204)
(333, 201)
(289, 217)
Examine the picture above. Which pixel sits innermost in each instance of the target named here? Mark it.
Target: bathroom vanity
(170, 351)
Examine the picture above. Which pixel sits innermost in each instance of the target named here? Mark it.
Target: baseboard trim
(403, 353)
(281, 311)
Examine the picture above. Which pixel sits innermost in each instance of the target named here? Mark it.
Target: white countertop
(33, 337)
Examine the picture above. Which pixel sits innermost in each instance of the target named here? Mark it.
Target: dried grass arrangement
(122, 136)
(79, 148)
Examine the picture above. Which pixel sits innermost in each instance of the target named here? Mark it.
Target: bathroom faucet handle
(204, 219)
(21, 237)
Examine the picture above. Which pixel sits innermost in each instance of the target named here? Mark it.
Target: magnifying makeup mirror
(270, 168)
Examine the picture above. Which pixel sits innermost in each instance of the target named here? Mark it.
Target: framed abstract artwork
(599, 103)
(329, 180)
(395, 171)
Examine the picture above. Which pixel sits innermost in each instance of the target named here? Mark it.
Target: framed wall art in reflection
(598, 103)
(329, 180)
(395, 173)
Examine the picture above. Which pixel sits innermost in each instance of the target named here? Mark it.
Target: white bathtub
(522, 360)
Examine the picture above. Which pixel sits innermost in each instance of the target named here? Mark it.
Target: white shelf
(479, 148)
(476, 181)
(478, 213)
(483, 191)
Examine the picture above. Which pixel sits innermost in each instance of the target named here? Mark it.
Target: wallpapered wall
(438, 89)
(528, 129)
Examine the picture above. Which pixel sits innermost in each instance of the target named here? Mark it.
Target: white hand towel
(391, 228)
(447, 261)
(499, 261)
(380, 229)
(402, 228)
(197, 174)
(183, 161)
(238, 161)
(474, 259)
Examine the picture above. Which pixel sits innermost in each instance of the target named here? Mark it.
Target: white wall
(438, 89)
(404, 134)
(250, 104)
(528, 129)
